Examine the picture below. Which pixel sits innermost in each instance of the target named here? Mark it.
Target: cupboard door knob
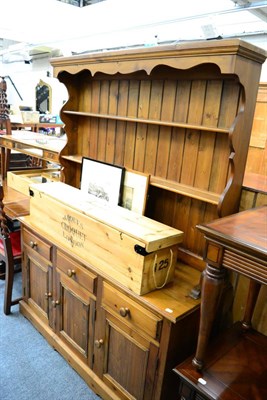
(55, 303)
(47, 295)
(99, 343)
(124, 311)
(71, 272)
(33, 244)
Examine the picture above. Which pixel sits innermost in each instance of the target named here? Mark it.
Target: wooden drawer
(76, 272)
(131, 312)
(7, 144)
(37, 244)
(51, 156)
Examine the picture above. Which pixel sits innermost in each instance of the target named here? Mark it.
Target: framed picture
(102, 180)
(135, 190)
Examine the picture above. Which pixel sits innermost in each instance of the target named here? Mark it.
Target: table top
(35, 140)
(246, 230)
(255, 182)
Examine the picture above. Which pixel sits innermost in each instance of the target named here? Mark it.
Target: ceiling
(56, 27)
(80, 3)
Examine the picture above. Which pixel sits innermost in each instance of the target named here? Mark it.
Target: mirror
(43, 97)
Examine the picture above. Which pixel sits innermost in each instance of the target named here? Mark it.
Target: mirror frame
(39, 86)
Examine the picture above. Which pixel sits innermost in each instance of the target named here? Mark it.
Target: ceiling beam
(257, 8)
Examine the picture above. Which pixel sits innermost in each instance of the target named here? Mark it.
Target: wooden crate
(21, 180)
(134, 250)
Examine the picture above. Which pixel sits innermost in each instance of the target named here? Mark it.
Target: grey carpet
(30, 369)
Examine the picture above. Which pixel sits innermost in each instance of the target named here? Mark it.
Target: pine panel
(102, 128)
(207, 139)
(197, 98)
(153, 131)
(111, 124)
(95, 94)
(123, 96)
(131, 127)
(143, 112)
(178, 135)
(168, 102)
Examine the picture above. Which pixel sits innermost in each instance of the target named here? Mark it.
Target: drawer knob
(124, 311)
(33, 244)
(55, 303)
(47, 295)
(99, 343)
(71, 272)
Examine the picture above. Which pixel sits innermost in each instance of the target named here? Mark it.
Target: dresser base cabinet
(124, 346)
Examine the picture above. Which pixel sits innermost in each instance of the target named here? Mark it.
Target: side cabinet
(122, 344)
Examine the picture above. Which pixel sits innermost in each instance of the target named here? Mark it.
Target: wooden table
(239, 243)
(232, 366)
(34, 144)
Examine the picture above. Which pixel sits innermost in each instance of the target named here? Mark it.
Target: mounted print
(102, 181)
(135, 188)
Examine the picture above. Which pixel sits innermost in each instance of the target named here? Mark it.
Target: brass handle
(71, 272)
(99, 343)
(47, 295)
(124, 311)
(33, 244)
(55, 303)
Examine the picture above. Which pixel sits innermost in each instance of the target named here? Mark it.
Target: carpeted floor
(29, 367)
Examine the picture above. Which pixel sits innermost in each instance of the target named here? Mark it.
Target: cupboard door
(129, 360)
(75, 311)
(38, 285)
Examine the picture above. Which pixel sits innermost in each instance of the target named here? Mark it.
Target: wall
(26, 76)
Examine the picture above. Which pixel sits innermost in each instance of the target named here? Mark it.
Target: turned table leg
(254, 288)
(212, 287)
(3, 163)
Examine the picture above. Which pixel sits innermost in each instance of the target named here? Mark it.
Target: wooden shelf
(149, 121)
(195, 193)
(74, 158)
(171, 186)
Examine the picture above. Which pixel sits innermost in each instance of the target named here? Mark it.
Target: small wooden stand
(234, 366)
(235, 369)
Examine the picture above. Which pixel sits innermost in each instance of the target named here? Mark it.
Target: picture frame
(102, 181)
(135, 191)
